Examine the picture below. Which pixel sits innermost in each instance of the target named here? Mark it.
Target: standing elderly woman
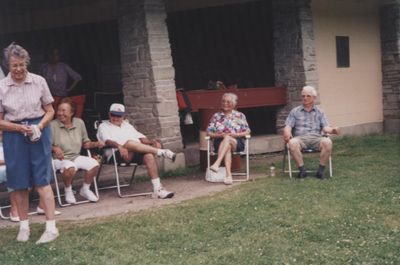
(227, 127)
(69, 135)
(25, 111)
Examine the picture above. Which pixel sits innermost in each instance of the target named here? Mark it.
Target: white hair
(17, 51)
(310, 89)
(232, 97)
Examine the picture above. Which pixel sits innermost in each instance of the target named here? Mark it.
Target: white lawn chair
(245, 152)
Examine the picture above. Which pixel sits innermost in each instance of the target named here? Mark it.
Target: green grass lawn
(353, 218)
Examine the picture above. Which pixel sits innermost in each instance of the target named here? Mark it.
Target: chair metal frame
(118, 184)
(2, 216)
(245, 153)
(58, 193)
(304, 151)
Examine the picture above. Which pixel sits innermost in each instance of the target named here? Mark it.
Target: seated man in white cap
(134, 146)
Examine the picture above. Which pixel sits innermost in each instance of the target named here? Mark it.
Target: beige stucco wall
(349, 96)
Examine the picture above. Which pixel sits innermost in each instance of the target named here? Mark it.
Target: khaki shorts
(310, 141)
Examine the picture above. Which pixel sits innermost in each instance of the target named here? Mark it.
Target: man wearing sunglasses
(133, 146)
(309, 125)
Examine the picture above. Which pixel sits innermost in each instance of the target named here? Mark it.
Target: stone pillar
(390, 43)
(294, 51)
(147, 72)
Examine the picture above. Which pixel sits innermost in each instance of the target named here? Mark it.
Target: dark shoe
(321, 176)
(302, 175)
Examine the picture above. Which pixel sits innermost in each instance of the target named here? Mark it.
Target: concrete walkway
(185, 188)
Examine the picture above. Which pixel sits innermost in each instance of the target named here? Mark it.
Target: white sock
(160, 152)
(68, 189)
(156, 184)
(51, 226)
(24, 224)
(86, 186)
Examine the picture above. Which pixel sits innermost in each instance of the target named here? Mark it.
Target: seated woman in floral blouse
(228, 127)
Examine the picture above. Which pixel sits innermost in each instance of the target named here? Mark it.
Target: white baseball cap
(117, 109)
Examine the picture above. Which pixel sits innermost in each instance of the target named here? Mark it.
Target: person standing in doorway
(60, 77)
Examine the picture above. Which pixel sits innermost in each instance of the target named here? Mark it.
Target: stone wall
(390, 42)
(147, 72)
(294, 52)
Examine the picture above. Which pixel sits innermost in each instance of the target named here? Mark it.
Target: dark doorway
(231, 43)
(90, 49)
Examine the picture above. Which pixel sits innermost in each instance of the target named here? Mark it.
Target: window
(342, 52)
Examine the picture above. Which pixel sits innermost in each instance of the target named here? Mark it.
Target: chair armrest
(109, 147)
(209, 137)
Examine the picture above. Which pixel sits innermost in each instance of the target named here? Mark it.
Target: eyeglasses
(18, 65)
(226, 102)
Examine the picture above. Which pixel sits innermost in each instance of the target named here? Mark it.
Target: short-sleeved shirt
(306, 122)
(232, 123)
(70, 140)
(120, 134)
(57, 77)
(24, 101)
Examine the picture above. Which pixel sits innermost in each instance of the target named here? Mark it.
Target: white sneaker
(228, 180)
(14, 218)
(169, 154)
(48, 236)
(88, 194)
(162, 194)
(41, 211)
(23, 235)
(69, 197)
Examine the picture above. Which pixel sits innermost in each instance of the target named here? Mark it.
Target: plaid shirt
(305, 122)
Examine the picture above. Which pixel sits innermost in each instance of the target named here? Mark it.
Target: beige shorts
(310, 141)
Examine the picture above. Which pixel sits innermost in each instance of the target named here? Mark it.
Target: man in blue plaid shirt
(305, 127)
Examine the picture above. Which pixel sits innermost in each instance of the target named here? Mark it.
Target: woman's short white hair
(232, 97)
(311, 90)
(17, 51)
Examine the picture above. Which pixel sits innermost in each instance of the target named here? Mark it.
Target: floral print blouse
(233, 123)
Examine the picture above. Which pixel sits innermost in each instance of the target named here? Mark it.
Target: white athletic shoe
(88, 194)
(70, 197)
(14, 218)
(169, 154)
(41, 211)
(23, 235)
(47, 237)
(162, 194)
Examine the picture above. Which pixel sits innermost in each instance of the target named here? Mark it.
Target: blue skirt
(27, 163)
(239, 144)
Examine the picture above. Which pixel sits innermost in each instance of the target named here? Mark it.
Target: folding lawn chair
(245, 152)
(58, 192)
(111, 156)
(304, 151)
